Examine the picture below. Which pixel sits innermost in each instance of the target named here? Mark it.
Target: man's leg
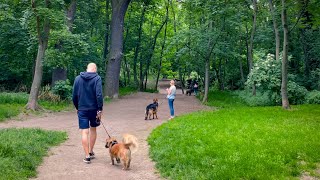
(93, 137)
(85, 141)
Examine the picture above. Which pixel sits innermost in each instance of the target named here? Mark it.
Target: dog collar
(113, 143)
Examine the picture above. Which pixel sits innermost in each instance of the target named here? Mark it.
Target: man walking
(88, 100)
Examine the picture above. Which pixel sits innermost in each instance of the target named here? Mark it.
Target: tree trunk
(43, 37)
(152, 51)
(60, 73)
(284, 91)
(161, 56)
(106, 36)
(119, 8)
(207, 68)
(276, 30)
(138, 43)
(250, 53)
(175, 32)
(106, 43)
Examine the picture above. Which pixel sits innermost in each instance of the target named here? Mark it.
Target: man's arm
(75, 93)
(99, 95)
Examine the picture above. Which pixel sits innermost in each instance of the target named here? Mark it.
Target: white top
(172, 94)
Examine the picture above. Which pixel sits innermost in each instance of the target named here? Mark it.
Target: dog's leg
(118, 160)
(152, 115)
(146, 115)
(128, 165)
(124, 165)
(156, 116)
(112, 160)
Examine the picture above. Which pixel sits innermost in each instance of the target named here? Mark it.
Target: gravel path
(125, 115)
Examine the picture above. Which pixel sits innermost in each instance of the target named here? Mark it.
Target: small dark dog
(188, 92)
(122, 151)
(152, 109)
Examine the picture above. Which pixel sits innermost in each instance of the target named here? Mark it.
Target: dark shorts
(87, 119)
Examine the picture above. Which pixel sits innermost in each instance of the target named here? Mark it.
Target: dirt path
(125, 115)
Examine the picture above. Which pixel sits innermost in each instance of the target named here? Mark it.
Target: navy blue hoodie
(87, 92)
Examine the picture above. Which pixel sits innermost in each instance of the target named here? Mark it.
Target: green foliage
(224, 99)
(266, 75)
(127, 90)
(261, 98)
(47, 95)
(313, 97)
(64, 48)
(22, 151)
(13, 98)
(9, 110)
(63, 89)
(238, 143)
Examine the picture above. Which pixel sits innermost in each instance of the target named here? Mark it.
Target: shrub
(296, 93)
(266, 75)
(313, 97)
(47, 95)
(63, 89)
(260, 99)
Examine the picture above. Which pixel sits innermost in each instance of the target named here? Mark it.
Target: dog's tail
(131, 142)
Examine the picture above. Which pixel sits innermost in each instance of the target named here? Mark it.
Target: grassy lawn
(239, 142)
(22, 150)
(11, 104)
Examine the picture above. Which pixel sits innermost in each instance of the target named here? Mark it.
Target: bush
(313, 97)
(63, 89)
(266, 75)
(296, 93)
(47, 95)
(261, 98)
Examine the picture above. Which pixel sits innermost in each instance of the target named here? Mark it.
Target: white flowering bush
(266, 75)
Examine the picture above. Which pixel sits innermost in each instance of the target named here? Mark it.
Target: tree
(284, 72)
(119, 8)
(275, 29)
(250, 49)
(43, 31)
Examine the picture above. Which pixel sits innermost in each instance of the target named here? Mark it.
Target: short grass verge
(22, 150)
(238, 142)
(12, 104)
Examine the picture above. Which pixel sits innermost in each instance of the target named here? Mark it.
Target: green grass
(12, 104)
(22, 150)
(9, 110)
(123, 91)
(238, 143)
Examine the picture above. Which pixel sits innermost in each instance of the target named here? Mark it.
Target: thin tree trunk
(138, 43)
(207, 68)
(152, 50)
(161, 55)
(43, 37)
(119, 9)
(276, 30)
(106, 42)
(250, 54)
(284, 90)
(175, 32)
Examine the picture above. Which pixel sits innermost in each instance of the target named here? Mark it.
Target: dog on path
(152, 109)
(122, 151)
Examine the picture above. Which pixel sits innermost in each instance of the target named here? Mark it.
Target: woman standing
(171, 94)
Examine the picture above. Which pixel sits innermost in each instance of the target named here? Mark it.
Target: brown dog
(122, 151)
(152, 109)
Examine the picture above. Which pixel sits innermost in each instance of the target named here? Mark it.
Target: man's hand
(99, 114)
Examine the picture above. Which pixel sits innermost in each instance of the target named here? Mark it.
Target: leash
(105, 128)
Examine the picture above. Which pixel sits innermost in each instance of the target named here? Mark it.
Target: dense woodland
(265, 48)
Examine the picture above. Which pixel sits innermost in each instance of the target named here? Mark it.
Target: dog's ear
(107, 143)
